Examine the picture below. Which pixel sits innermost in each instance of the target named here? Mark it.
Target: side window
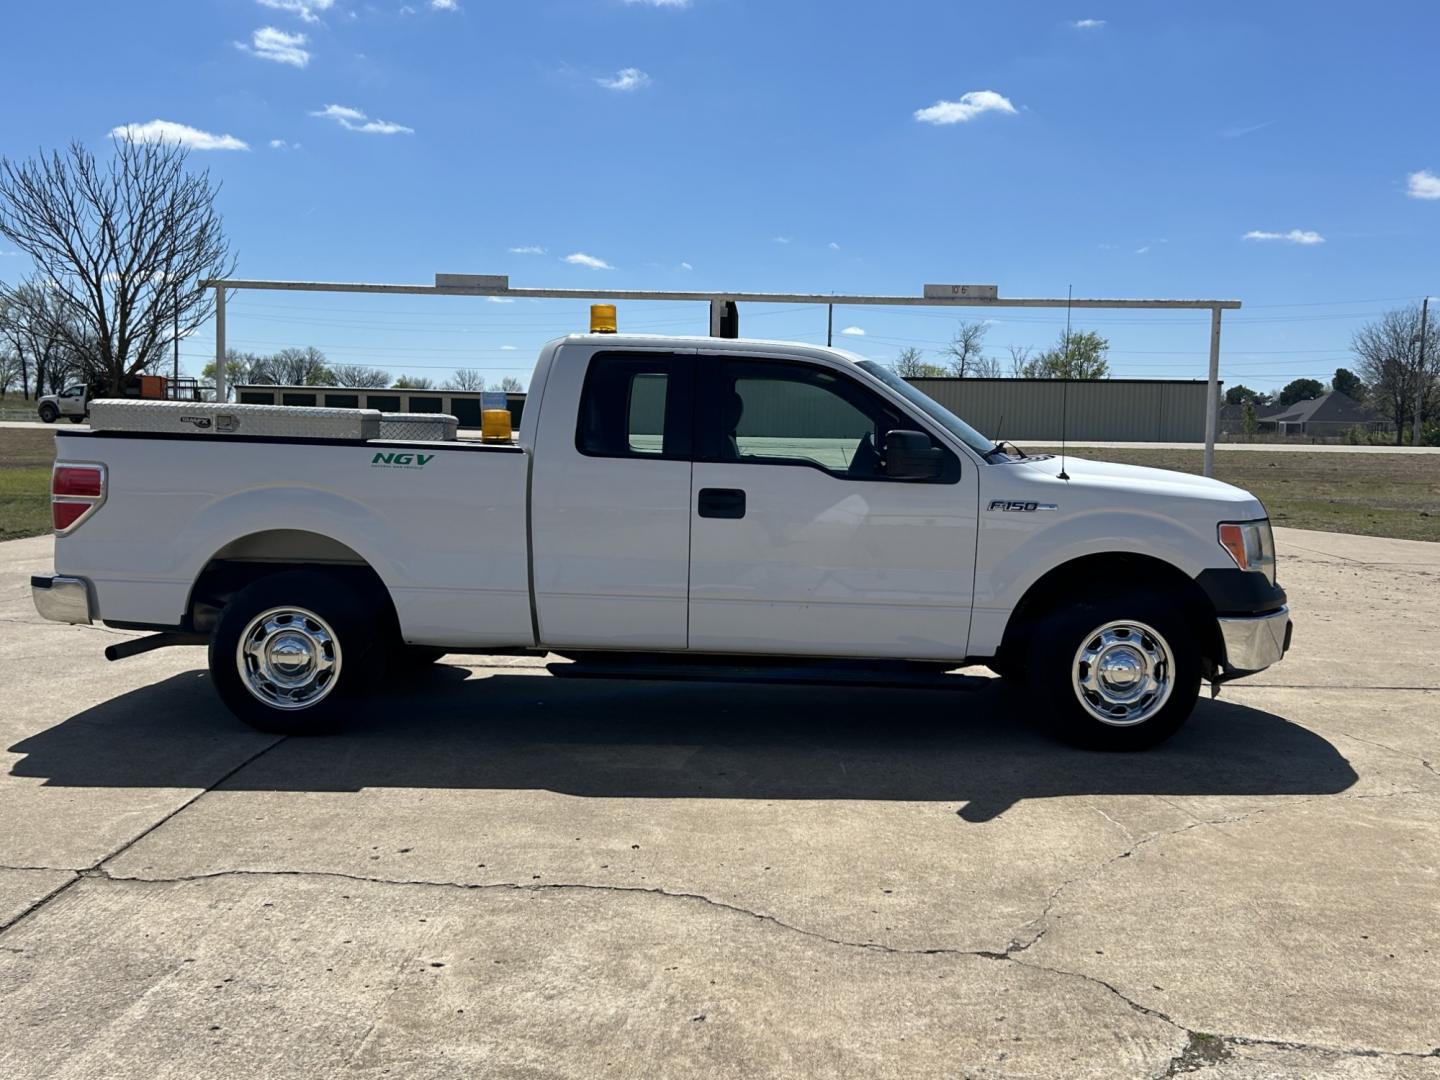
(635, 405)
(792, 414)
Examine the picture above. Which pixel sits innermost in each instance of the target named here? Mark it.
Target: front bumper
(1254, 642)
(62, 599)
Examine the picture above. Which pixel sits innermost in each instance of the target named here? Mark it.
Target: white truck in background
(707, 499)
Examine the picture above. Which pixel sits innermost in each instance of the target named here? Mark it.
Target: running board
(899, 675)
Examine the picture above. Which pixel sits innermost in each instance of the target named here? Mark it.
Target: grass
(1370, 494)
(25, 457)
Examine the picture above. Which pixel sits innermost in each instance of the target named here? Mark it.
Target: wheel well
(1143, 571)
(276, 551)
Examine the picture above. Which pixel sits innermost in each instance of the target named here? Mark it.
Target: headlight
(1251, 544)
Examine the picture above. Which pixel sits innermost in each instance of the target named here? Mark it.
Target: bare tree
(465, 379)
(413, 382)
(1388, 354)
(1019, 360)
(360, 376)
(511, 385)
(124, 247)
(966, 348)
(911, 365)
(987, 367)
(30, 326)
(300, 367)
(9, 372)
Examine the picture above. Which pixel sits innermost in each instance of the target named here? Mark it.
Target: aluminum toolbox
(212, 418)
(432, 427)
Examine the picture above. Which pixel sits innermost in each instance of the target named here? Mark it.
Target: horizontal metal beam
(705, 297)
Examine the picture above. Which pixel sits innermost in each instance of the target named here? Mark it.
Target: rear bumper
(62, 599)
(1254, 642)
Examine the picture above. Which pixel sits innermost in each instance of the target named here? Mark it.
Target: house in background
(1331, 414)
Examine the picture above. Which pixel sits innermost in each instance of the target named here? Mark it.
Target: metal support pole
(717, 311)
(220, 392)
(1212, 401)
(829, 324)
(1420, 374)
(175, 335)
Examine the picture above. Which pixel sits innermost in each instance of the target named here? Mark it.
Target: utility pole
(1420, 374)
(175, 382)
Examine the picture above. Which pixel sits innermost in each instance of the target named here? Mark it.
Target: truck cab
(72, 402)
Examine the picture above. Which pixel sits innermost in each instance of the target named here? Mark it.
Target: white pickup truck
(717, 500)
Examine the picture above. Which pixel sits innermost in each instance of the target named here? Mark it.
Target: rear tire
(78, 419)
(1115, 671)
(291, 652)
(48, 413)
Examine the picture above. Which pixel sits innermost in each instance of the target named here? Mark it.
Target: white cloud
(625, 80)
(853, 331)
(306, 9)
(967, 108)
(355, 120)
(528, 249)
(507, 348)
(1424, 185)
(686, 266)
(444, 5)
(171, 132)
(661, 3)
(1143, 250)
(268, 43)
(780, 240)
(579, 258)
(1246, 129)
(834, 246)
(1088, 24)
(1294, 236)
(501, 299)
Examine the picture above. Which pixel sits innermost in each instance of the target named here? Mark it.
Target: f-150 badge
(1023, 507)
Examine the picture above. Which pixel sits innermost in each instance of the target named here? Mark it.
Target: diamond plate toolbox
(213, 418)
(432, 427)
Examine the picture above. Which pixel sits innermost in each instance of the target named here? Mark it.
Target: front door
(610, 501)
(800, 544)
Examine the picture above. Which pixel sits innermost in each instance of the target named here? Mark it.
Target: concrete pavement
(498, 872)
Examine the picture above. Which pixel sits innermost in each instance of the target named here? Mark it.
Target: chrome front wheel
(1123, 673)
(288, 658)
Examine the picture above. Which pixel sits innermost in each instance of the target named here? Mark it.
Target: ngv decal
(1021, 507)
(400, 460)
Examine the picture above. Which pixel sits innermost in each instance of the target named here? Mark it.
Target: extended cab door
(610, 499)
(800, 543)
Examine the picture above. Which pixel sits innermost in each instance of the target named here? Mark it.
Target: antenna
(1065, 387)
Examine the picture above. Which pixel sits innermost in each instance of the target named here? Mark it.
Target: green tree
(413, 382)
(1239, 394)
(1300, 390)
(1079, 356)
(1248, 420)
(1348, 383)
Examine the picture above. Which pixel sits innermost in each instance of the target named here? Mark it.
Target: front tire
(48, 413)
(1115, 672)
(290, 653)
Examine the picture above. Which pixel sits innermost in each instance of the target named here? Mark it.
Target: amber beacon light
(602, 318)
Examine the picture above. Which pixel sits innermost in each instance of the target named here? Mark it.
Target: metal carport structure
(976, 296)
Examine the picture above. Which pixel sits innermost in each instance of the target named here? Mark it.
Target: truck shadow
(629, 739)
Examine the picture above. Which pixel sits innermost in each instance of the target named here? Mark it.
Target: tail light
(76, 492)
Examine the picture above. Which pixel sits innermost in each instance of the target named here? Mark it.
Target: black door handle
(722, 503)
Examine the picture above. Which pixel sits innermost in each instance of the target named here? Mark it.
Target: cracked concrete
(499, 872)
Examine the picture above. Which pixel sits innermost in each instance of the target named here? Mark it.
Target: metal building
(464, 405)
(1104, 410)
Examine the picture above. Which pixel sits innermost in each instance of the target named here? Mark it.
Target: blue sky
(1124, 149)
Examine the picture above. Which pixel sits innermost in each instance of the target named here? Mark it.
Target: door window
(635, 405)
(778, 413)
(73, 391)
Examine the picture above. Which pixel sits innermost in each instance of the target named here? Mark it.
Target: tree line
(308, 367)
(1078, 355)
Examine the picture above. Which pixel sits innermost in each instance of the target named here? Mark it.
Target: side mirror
(909, 455)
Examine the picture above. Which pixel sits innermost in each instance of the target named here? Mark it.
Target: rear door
(610, 499)
(800, 544)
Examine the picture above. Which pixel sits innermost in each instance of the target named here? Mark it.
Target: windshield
(931, 408)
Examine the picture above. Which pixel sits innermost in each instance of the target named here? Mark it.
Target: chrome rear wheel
(288, 658)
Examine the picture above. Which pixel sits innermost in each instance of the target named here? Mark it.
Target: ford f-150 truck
(712, 498)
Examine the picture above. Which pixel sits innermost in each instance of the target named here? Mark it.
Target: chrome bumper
(62, 599)
(1255, 642)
